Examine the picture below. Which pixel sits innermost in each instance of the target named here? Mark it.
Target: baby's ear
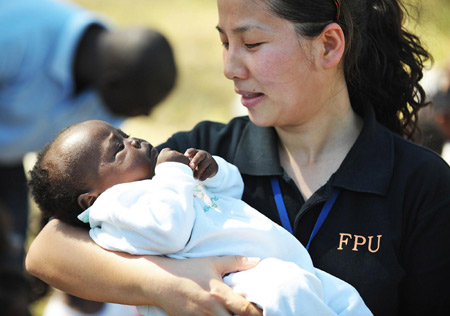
(86, 200)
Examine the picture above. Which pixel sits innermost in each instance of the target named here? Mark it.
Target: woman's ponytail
(388, 67)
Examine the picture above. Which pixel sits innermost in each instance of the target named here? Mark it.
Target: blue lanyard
(280, 204)
(283, 212)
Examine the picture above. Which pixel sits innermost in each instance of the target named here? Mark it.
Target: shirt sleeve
(425, 289)
(149, 217)
(12, 55)
(228, 180)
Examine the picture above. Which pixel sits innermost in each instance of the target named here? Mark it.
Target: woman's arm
(66, 258)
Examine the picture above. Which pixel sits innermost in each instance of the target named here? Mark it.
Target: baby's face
(111, 156)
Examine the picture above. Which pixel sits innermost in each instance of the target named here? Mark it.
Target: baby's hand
(168, 154)
(202, 163)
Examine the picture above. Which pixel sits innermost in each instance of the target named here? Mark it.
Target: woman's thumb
(229, 264)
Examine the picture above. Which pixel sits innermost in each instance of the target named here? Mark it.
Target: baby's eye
(119, 147)
(123, 134)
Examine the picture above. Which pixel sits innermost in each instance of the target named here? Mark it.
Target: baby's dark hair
(55, 187)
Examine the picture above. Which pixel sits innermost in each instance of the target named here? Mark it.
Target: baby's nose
(135, 142)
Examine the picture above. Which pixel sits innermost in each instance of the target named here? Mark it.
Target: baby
(180, 206)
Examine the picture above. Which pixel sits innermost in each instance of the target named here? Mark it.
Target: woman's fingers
(229, 264)
(195, 287)
(192, 299)
(234, 302)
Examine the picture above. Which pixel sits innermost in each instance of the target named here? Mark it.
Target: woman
(332, 90)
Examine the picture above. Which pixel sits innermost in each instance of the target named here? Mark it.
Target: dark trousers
(14, 200)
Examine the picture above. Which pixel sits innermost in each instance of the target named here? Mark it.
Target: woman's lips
(251, 99)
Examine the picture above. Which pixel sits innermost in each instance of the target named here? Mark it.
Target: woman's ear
(332, 43)
(86, 200)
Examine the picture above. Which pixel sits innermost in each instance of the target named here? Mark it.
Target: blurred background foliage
(202, 92)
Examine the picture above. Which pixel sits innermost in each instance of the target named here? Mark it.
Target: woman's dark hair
(54, 189)
(383, 62)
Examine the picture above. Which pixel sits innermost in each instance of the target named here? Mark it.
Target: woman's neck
(311, 153)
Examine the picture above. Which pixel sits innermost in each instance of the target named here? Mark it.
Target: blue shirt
(38, 40)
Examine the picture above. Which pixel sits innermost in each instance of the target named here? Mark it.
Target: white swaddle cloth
(176, 216)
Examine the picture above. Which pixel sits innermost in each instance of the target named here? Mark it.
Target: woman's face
(271, 67)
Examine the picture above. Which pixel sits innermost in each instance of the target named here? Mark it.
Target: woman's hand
(198, 288)
(65, 257)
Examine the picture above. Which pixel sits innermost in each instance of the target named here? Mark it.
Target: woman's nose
(233, 65)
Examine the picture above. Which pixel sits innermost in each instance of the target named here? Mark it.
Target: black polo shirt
(388, 234)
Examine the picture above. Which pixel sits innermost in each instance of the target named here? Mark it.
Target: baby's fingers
(206, 169)
(198, 159)
(190, 153)
(202, 163)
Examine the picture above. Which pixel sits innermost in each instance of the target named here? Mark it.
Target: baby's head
(82, 162)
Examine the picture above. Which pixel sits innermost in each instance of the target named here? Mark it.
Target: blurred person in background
(435, 120)
(15, 288)
(61, 64)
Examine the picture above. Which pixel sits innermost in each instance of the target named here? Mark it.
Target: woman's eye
(250, 46)
(225, 44)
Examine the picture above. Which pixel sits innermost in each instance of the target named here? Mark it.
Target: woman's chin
(260, 120)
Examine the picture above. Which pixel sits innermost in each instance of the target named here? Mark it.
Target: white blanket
(177, 216)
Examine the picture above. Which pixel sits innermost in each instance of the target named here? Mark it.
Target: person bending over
(61, 64)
